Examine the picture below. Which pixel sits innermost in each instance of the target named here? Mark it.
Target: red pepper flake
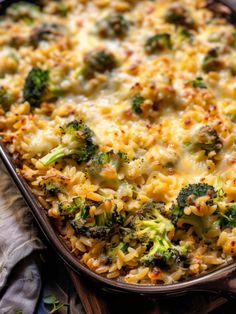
(212, 108)
(156, 272)
(188, 121)
(210, 193)
(191, 199)
(129, 52)
(198, 208)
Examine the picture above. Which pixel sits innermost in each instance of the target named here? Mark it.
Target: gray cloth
(22, 289)
(18, 240)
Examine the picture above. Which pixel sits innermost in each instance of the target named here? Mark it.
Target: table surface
(58, 282)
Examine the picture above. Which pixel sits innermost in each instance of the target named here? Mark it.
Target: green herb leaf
(50, 299)
(137, 101)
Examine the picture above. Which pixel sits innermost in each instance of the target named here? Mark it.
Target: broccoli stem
(159, 246)
(57, 153)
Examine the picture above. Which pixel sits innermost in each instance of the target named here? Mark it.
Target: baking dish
(222, 277)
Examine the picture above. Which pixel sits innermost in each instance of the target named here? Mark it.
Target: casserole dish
(203, 282)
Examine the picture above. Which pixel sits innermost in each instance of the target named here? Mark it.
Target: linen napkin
(20, 281)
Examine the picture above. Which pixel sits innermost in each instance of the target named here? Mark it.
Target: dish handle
(222, 283)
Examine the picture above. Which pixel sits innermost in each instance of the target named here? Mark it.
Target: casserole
(221, 281)
(138, 111)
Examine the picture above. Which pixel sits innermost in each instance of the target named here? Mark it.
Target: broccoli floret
(5, 99)
(110, 219)
(103, 160)
(69, 209)
(178, 15)
(115, 25)
(101, 62)
(158, 42)
(136, 102)
(162, 255)
(76, 142)
(152, 228)
(100, 226)
(199, 83)
(116, 217)
(51, 187)
(94, 228)
(153, 205)
(228, 219)
(211, 61)
(152, 213)
(39, 87)
(83, 226)
(23, 11)
(46, 32)
(99, 232)
(35, 87)
(188, 195)
(77, 207)
(207, 139)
